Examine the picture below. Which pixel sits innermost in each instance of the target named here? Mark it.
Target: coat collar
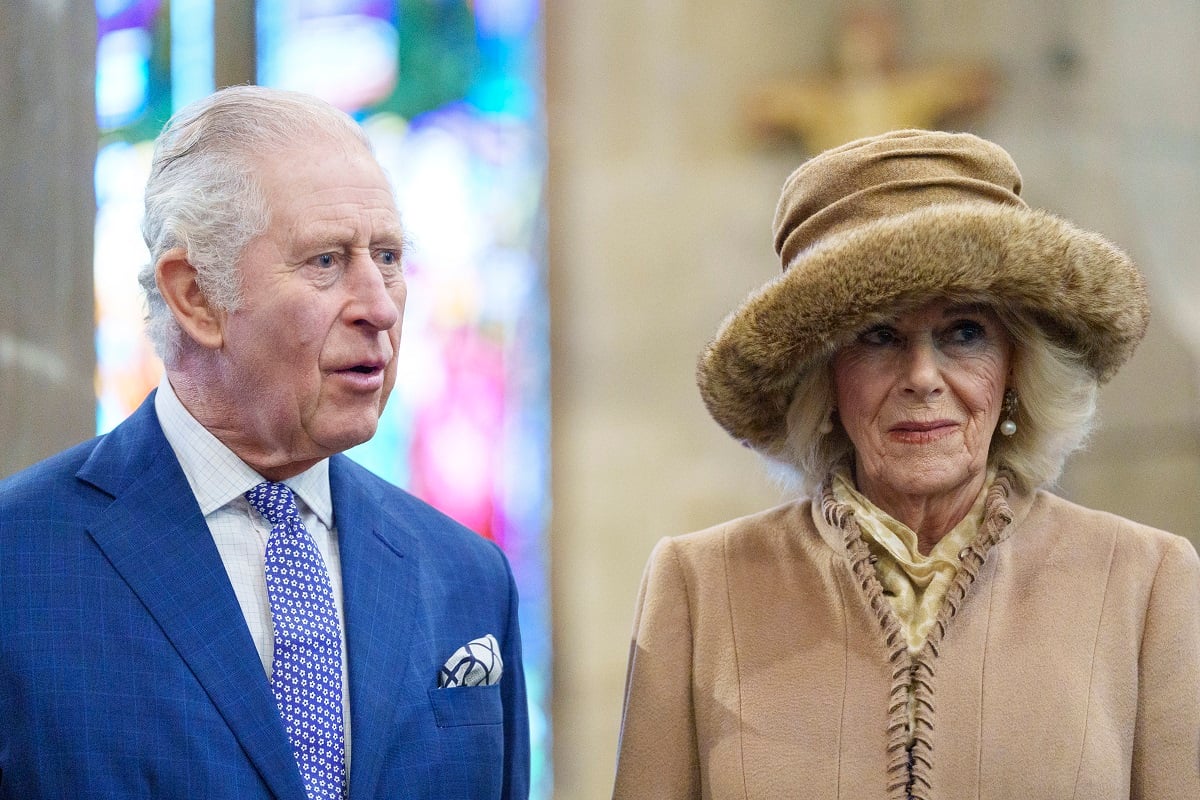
(380, 564)
(156, 538)
(1005, 507)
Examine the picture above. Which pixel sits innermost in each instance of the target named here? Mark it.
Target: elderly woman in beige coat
(932, 623)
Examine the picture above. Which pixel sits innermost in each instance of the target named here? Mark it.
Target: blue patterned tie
(306, 675)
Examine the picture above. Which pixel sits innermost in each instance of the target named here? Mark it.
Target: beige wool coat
(766, 663)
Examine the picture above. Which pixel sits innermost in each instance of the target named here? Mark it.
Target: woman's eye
(966, 332)
(325, 260)
(880, 336)
(389, 257)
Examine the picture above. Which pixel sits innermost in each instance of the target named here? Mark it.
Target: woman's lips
(920, 432)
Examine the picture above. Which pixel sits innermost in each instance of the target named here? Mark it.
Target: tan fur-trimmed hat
(887, 223)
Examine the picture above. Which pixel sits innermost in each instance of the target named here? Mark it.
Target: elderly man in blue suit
(210, 601)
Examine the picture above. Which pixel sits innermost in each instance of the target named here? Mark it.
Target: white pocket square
(476, 663)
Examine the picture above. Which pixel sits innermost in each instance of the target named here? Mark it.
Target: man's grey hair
(204, 195)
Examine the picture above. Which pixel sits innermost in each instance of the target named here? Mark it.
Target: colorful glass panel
(450, 93)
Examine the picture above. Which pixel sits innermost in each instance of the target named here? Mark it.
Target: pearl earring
(826, 426)
(1009, 427)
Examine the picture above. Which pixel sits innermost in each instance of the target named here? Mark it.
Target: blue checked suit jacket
(127, 670)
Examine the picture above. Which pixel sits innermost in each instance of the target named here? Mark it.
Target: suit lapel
(156, 539)
(379, 568)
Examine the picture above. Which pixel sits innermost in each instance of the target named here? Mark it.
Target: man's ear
(176, 279)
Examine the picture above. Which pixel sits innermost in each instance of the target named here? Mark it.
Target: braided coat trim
(909, 768)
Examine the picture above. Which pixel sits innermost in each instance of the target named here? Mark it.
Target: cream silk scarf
(913, 583)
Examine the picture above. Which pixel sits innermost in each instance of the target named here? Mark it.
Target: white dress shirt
(219, 480)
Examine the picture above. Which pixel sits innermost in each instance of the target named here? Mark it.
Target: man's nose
(372, 302)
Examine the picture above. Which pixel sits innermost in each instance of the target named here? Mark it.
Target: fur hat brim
(1083, 292)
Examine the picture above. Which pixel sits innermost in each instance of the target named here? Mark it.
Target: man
(210, 601)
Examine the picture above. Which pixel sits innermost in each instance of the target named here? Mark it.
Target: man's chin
(342, 439)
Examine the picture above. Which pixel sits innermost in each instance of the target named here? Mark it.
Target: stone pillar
(47, 151)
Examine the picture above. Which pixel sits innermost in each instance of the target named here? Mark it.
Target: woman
(931, 624)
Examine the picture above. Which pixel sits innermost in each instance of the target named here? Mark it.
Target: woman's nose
(922, 372)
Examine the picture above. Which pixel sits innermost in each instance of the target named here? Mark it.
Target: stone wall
(47, 147)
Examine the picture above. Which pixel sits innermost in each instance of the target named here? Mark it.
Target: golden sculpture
(868, 92)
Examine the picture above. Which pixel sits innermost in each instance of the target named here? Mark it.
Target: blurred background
(590, 187)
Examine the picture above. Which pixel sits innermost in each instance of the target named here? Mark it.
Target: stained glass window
(450, 92)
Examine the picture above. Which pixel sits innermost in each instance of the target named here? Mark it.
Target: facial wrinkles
(316, 313)
(921, 399)
(351, 232)
(945, 387)
(343, 226)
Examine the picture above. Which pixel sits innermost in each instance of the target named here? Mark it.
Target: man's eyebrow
(328, 238)
(395, 239)
(341, 240)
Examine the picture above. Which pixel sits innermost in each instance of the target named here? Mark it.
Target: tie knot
(274, 501)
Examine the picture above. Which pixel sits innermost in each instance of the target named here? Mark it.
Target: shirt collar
(216, 475)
